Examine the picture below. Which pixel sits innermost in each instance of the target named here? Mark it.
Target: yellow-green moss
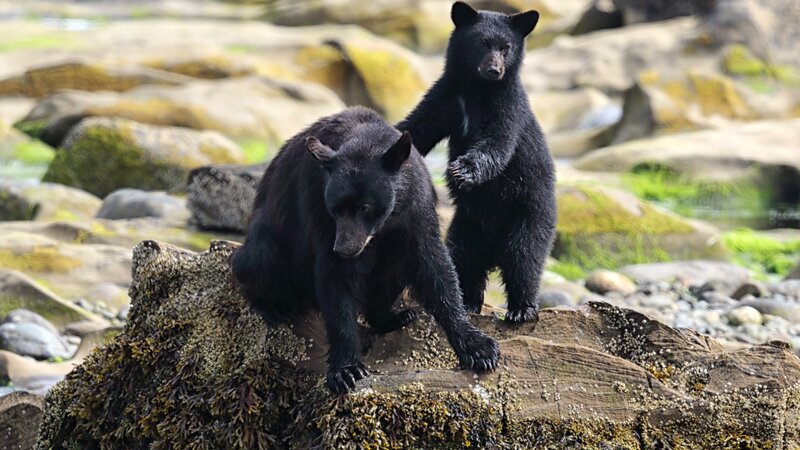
(209, 68)
(33, 152)
(45, 81)
(156, 111)
(41, 41)
(32, 128)
(718, 95)
(762, 254)
(38, 259)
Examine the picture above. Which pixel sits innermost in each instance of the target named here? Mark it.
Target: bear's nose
(493, 72)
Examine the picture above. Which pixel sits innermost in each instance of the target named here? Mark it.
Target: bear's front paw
(465, 172)
(523, 314)
(478, 352)
(341, 380)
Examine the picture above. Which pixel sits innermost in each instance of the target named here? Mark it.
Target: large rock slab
(133, 155)
(85, 76)
(240, 107)
(194, 364)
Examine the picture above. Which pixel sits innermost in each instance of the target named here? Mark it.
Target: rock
(46, 201)
(605, 227)
(134, 203)
(789, 288)
(725, 277)
(129, 154)
(639, 11)
(86, 328)
(610, 60)
(19, 291)
(611, 360)
(30, 339)
(70, 269)
(26, 316)
(108, 294)
(221, 197)
(551, 298)
(20, 414)
(602, 281)
(658, 301)
(744, 315)
(735, 150)
(782, 308)
(85, 76)
(794, 274)
(275, 110)
(752, 287)
(577, 109)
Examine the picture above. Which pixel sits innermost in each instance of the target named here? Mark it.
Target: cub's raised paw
(478, 352)
(343, 379)
(523, 314)
(464, 172)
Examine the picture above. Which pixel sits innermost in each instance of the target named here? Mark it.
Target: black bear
(500, 172)
(344, 220)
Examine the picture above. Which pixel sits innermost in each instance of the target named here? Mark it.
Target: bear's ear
(525, 22)
(320, 151)
(397, 153)
(463, 15)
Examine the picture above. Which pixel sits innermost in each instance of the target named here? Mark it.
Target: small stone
(550, 298)
(744, 315)
(753, 288)
(718, 300)
(787, 309)
(604, 281)
(658, 301)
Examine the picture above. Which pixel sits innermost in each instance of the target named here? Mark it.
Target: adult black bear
(501, 174)
(346, 231)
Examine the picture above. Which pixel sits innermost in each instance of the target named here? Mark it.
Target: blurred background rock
(675, 126)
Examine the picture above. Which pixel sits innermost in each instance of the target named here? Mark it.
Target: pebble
(751, 288)
(603, 281)
(744, 315)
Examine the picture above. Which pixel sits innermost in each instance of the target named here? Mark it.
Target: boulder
(135, 203)
(275, 110)
(19, 413)
(221, 197)
(603, 281)
(30, 339)
(130, 154)
(603, 227)
(85, 76)
(26, 316)
(45, 201)
(194, 364)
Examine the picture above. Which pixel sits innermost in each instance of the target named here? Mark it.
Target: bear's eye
(365, 209)
(505, 48)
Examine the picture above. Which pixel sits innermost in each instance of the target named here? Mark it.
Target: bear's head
(362, 184)
(487, 44)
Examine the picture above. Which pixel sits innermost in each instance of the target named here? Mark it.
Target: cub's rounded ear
(397, 153)
(463, 15)
(320, 151)
(525, 22)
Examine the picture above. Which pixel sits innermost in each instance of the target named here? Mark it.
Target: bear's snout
(493, 67)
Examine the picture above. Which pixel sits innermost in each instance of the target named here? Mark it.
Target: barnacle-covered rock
(195, 368)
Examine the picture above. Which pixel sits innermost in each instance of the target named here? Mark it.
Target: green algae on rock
(129, 154)
(195, 368)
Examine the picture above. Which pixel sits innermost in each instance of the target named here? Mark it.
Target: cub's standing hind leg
(521, 267)
(471, 259)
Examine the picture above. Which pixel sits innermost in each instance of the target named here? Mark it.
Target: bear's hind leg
(521, 267)
(467, 245)
(378, 309)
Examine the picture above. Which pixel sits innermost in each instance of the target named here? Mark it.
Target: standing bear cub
(500, 172)
(344, 220)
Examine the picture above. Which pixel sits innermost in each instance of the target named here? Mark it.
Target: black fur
(343, 222)
(501, 174)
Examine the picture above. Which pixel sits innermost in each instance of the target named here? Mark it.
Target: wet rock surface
(596, 376)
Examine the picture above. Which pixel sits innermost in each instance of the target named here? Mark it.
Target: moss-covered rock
(195, 367)
(377, 75)
(19, 291)
(84, 76)
(46, 201)
(129, 154)
(601, 227)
